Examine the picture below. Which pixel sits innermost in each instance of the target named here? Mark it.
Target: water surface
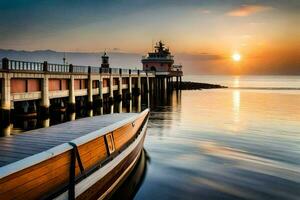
(224, 144)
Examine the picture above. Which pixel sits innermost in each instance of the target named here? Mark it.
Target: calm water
(227, 143)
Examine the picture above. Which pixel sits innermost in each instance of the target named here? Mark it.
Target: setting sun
(236, 57)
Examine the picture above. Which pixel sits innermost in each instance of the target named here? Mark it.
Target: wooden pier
(28, 88)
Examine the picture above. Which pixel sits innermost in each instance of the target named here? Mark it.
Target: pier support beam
(5, 93)
(45, 103)
(5, 104)
(111, 89)
(139, 84)
(71, 95)
(147, 84)
(130, 86)
(120, 106)
(139, 103)
(120, 85)
(165, 86)
(101, 91)
(119, 98)
(90, 91)
(152, 84)
(180, 82)
(111, 108)
(46, 123)
(101, 95)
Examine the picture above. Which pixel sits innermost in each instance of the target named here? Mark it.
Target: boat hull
(106, 185)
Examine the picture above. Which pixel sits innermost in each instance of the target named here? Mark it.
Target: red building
(162, 62)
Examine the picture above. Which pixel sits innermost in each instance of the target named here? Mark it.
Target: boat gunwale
(64, 147)
(84, 184)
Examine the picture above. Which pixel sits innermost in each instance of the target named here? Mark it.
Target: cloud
(246, 10)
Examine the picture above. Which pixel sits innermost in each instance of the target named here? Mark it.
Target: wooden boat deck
(19, 146)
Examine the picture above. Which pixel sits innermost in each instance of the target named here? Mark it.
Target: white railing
(7, 64)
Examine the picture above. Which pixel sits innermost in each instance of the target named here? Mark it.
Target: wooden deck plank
(14, 154)
(18, 142)
(17, 150)
(9, 146)
(33, 140)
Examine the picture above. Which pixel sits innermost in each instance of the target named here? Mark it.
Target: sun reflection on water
(236, 82)
(236, 99)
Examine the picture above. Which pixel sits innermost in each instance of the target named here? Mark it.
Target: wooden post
(148, 84)
(180, 82)
(130, 84)
(46, 122)
(45, 66)
(120, 85)
(153, 84)
(139, 83)
(5, 92)
(120, 104)
(130, 105)
(5, 64)
(101, 94)
(45, 103)
(139, 106)
(90, 89)
(71, 94)
(165, 83)
(5, 104)
(111, 85)
(101, 90)
(111, 108)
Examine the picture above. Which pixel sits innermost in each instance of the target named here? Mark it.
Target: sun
(236, 57)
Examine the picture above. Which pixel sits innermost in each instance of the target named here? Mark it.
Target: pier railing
(125, 71)
(16, 65)
(57, 68)
(134, 71)
(22, 65)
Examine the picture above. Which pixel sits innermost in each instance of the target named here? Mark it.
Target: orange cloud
(247, 10)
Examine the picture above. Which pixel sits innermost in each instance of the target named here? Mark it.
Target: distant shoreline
(188, 85)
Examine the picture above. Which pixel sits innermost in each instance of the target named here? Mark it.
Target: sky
(203, 35)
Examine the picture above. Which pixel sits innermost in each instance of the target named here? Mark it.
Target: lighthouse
(161, 61)
(105, 61)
